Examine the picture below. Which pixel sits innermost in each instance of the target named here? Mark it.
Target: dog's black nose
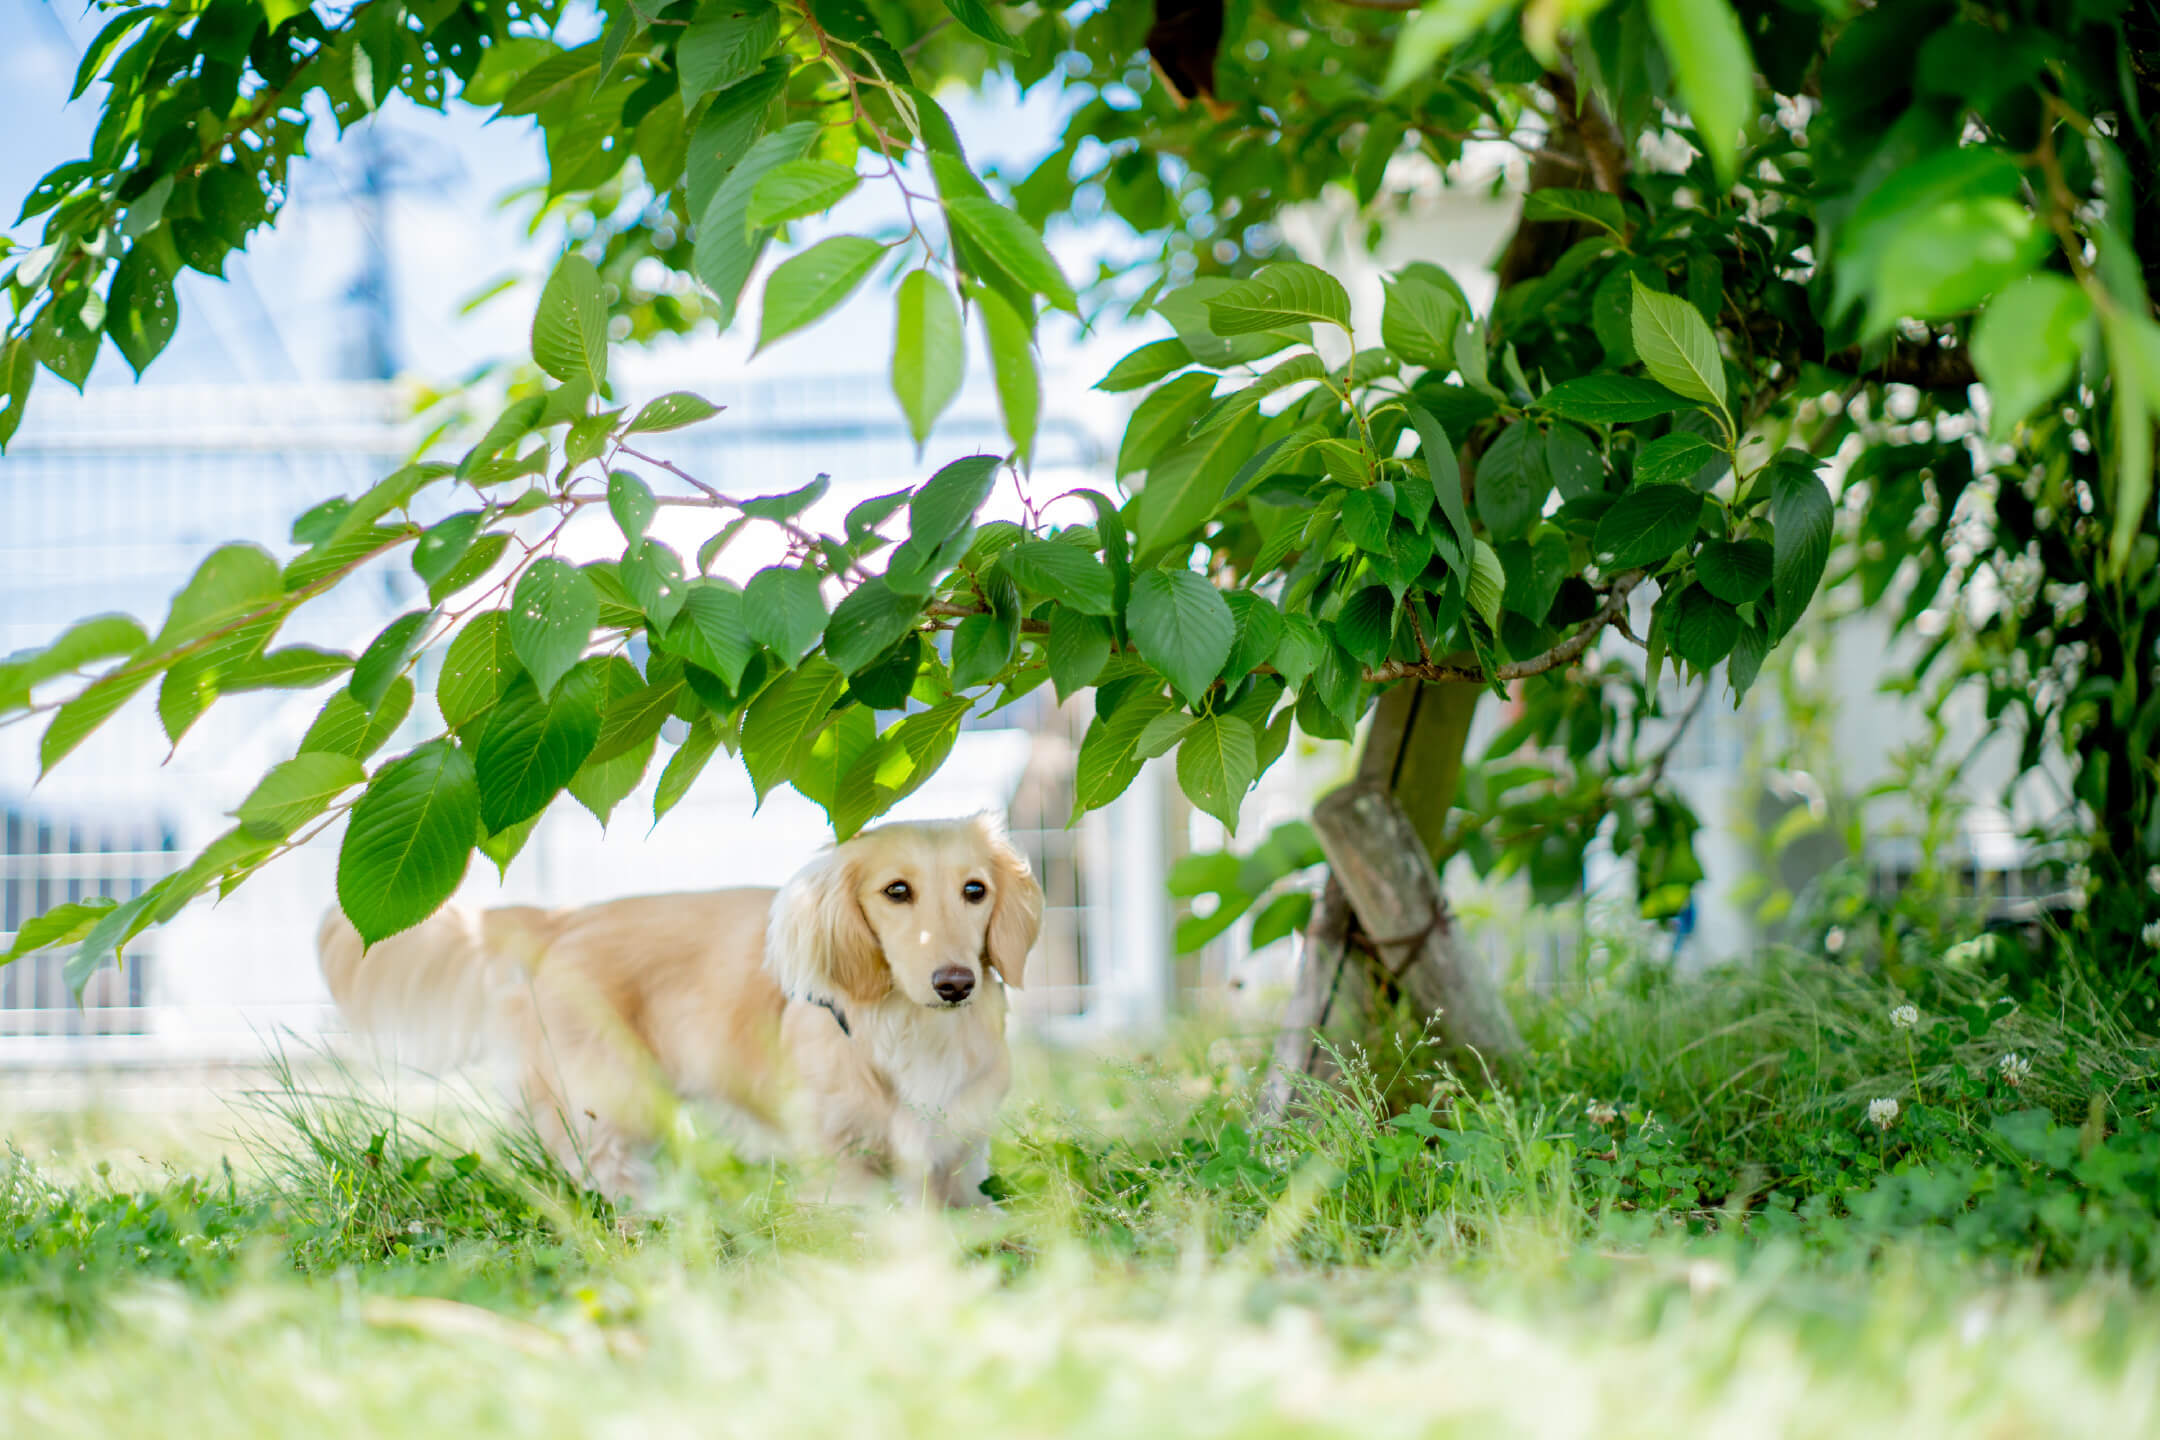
(953, 984)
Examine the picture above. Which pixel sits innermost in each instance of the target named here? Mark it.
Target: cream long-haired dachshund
(853, 1010)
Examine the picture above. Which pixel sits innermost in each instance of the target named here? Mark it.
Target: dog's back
(432, 995)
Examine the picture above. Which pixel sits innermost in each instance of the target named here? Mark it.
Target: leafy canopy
(1761, 233)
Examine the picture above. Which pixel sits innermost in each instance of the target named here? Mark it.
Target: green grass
(1679, 1220)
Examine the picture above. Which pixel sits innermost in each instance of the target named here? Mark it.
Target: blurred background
(310, 370)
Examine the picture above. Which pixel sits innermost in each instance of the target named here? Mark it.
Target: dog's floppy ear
(818, 944)
(1017, 918)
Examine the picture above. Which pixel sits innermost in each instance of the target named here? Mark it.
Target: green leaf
(62, 925)
(806, 287)
(1573, 460)
(726, 40)
(297, 791)
(1676, 345)
(1259, 632)
(1217, 762)
(982, 646)
(1419, 322)
(1013, 245)
(296, 667)
(887, 681)
(947, 502)
(1366, 626)
(630, 501)
(1609, 400)
(408, 841)
(602, 784)
(726, 248)
(685, 765)
(730, 126)
(437, 552)
(783, 723)
(1748, 651)
(1512, 481)
(1674, 459)
(1156, 360)
(1446, 476)
(788, 505)
(1186, 485)
(1535, 572)
(2026, 347)
(18, 371)
(975, 17)
(1286, 914)
(1012, 366)
(531, 746)
(1487, 584)
(797, 189)
(867, 622)
(1183, 628)
(1298, 652)
(1079, 646)
(141, 311)
(1431, 32)
(630, 719)
(476, 669)
(552, 614)
(1800, 520)
(1703, 628)
(232, 582)
(1109, 758)
(569, 330)
(929, 351)
(1735, 571)
(384, 659)
(1588, 207)
(672, 411)
(74, 721)
(1646, 525)
(712, 630)
(344, 728)
(1714, 72)
(1162, 420)
(110, 934)
(1280, 295)
(784, 610)
(475, 563)
(1065, 573)
(101, 637)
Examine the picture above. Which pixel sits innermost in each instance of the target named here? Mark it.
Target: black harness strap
(839, 1017)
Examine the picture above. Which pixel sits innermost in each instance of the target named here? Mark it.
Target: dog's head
(918, 908)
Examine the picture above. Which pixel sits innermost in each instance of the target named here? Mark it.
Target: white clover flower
(2014, 1068)
(1905, 1017)
(1882, 1114)
(1600, 1113)
(2151, 934)
(2152, 879)
(1834, 941)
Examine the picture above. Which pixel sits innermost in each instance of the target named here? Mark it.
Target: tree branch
(1564, 653)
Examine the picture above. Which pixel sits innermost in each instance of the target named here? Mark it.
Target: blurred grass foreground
(1696, 1214)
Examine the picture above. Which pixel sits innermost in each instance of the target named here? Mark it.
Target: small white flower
(1600, 1113)
(1882, 1114)
(1905, 1017)
(2013, 1068)
(2152, 934)
(1834, 942)
(2152, 879)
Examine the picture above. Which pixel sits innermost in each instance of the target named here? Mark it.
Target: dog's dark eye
(974, 891)
(899, 893)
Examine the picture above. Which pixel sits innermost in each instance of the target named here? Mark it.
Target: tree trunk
(1374, 855)
(1412, 764)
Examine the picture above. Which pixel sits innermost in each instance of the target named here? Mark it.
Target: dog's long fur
(804, 1016)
